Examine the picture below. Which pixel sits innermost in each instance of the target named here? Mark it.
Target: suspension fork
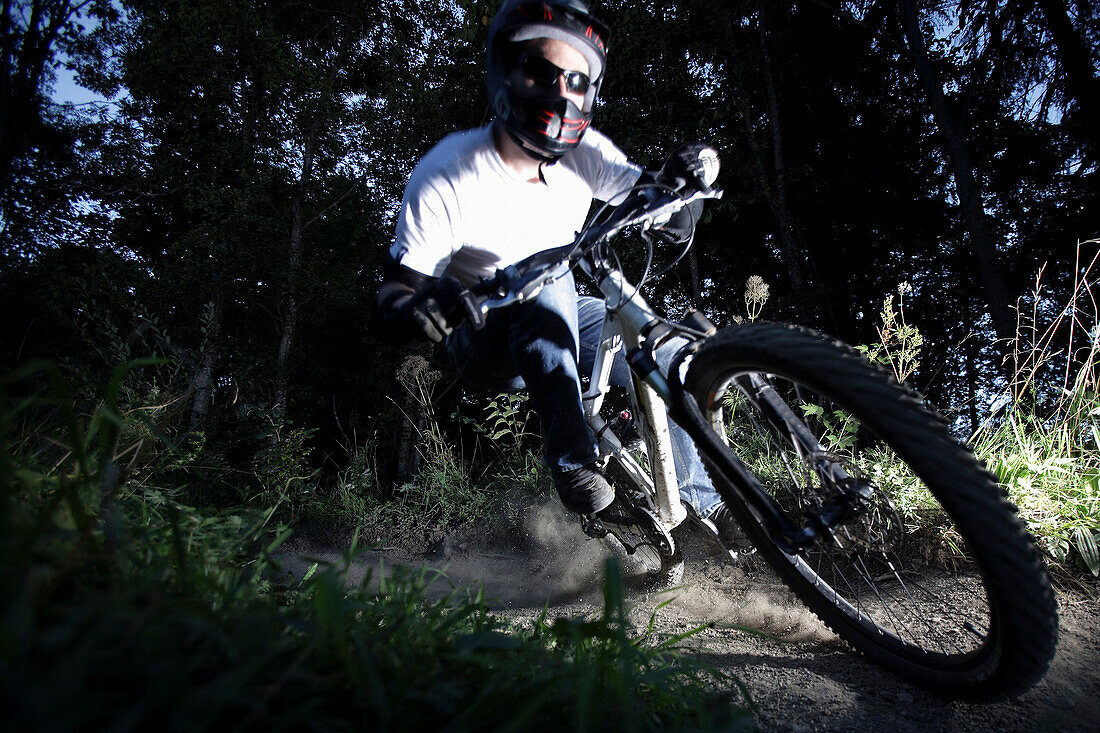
(733, 473)
(849, 498)
(784, 420)
(626, 324)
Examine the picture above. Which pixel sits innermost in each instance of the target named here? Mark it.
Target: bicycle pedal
(593, 527)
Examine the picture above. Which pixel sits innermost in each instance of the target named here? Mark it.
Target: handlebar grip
(691, 168)
(709, 167)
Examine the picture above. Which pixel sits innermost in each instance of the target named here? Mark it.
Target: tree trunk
(773, 188)
(967, 186)
(24, 68)
(696, 281)
(299, 225)
(203, 382)
(410, 432)
(290, 302)
(969, 347)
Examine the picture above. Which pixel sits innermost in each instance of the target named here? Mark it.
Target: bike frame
(626, 325)
(622, 327)
(632, 323)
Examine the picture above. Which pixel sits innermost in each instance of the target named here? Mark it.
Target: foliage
(899, 343)
(124, 607)
(505, 424)
(507, 417)
(442, 491)
(348, 502)
(1045, 445)
(42, 143)
(281, 464)
(1052, 474)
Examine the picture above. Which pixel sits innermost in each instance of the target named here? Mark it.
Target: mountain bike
(833, 470)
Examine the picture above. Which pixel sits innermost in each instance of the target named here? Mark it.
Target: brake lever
(512, 286)
(662, 213)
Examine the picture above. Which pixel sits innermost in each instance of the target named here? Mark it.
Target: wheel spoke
(866, 564)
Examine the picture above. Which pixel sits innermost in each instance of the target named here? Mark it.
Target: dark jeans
(544, 346)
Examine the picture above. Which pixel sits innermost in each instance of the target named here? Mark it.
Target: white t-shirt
(462, 196)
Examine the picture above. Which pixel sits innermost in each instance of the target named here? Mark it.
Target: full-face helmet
(544, 123)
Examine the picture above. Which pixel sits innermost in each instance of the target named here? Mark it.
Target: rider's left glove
(691, 167)
(442, 306)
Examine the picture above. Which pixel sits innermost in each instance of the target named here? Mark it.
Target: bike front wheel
(932, 575)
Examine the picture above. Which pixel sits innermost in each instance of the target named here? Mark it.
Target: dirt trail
(807, 680)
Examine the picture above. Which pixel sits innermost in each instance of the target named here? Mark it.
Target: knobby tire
(868, 581)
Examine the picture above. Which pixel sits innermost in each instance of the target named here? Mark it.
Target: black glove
(440, 307)
(691, 167)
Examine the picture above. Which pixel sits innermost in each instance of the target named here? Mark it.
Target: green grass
(1044, 445)
(1043, 448)
(322, 656)
(125, 608)
(1053, 479)
(448, 489)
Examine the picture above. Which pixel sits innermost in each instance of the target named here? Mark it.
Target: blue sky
(67, 91)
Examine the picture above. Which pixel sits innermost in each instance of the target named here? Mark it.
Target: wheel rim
(913, 591)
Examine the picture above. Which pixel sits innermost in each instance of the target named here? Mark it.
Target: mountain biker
(489, 197)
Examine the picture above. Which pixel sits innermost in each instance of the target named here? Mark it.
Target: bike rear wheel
(935, 577)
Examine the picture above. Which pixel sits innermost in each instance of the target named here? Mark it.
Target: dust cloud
(543, 559)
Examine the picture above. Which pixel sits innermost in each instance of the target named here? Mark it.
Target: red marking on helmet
(546, 14)
(593, 35)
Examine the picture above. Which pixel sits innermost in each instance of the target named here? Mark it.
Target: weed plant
(513, 468)
(1044, 446)
(123, 608)
(447, 489)
(899, 344)
(442, 491)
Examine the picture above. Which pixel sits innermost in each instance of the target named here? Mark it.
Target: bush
(1043, 444)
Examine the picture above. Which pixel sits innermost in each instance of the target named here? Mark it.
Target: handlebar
(524, 280)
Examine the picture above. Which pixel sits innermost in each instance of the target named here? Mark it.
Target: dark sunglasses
(543, 72)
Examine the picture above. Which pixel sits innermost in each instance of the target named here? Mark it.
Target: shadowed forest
(188, 266)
